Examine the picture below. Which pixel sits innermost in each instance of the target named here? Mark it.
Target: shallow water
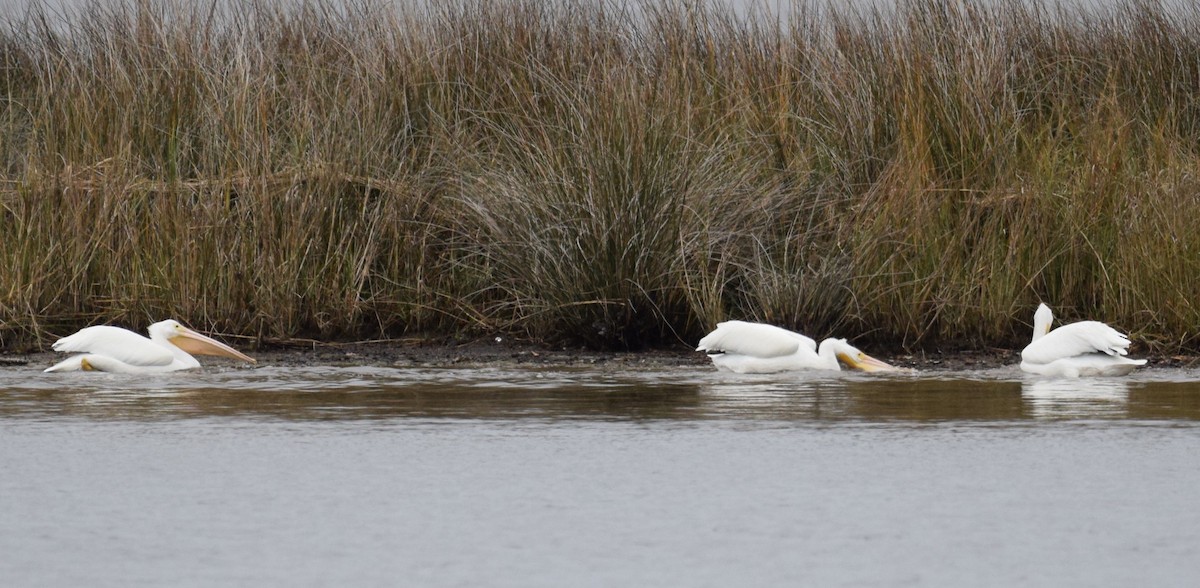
(543, 476)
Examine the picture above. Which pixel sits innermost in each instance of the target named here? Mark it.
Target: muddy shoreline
(485, 352)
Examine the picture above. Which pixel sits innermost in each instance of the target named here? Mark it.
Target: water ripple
(572, 393)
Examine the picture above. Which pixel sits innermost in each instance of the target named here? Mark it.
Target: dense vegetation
(612, 174)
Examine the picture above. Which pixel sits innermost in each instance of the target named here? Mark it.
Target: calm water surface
(515, 476)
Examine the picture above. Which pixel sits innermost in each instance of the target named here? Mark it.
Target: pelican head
(1043, 318)
(853, 357)
(192, 342)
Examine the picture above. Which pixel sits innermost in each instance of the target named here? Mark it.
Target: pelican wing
(117, 343)
(754, 339)
(1074, 340)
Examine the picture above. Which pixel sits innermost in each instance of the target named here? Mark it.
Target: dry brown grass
(617, 175)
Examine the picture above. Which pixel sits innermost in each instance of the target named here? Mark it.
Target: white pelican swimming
(757, 348)
(113, 349)
(1085, 348)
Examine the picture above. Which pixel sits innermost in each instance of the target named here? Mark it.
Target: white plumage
(1085, 348)
(758, 348)
(113, 349)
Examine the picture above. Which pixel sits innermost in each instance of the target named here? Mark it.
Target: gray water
(515, 476)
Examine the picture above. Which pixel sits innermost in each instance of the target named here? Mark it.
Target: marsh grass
(618, 175)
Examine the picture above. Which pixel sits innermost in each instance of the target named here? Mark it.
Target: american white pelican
(113, 349)
(1085, 348)
(757, 348)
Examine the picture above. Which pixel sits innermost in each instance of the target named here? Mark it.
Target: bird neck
(180, 355)
(1040, 328)
(1042, 319)
(828, 353)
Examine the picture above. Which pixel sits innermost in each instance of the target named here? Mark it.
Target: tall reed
(616, 174)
